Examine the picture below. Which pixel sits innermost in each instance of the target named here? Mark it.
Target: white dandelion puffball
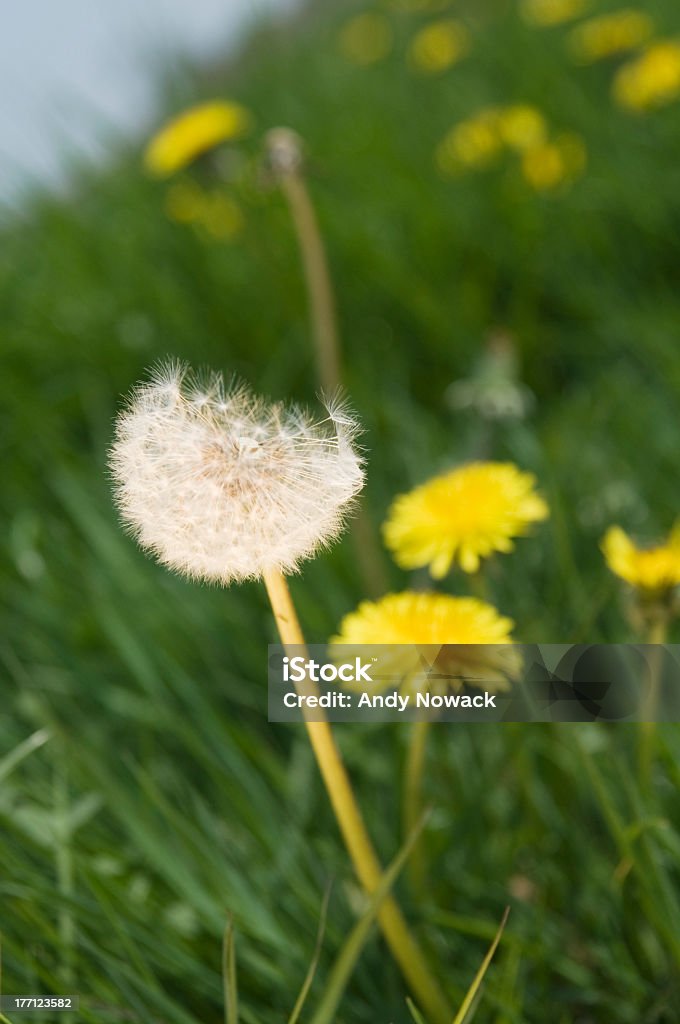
(220, 485)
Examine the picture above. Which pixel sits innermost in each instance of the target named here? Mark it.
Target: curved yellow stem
(404, 947)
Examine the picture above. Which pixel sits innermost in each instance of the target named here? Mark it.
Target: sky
(72, 72)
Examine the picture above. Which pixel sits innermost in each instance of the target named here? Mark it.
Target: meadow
(144, 797)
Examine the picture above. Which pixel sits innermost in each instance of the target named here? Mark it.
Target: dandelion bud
(220, 485)
(285, 152)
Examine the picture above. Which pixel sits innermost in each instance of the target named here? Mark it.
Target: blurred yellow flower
(409, 621)
(216, 213)
(192, 133)
(651, 569)
(609, 34)
(184, 202)
(438, 46)
(553, 163)
(650, 80)
(366, 38)
(464, 515)
(551, 12)
(222, 217)
(521, 126)
(419, 6)
(473, 143)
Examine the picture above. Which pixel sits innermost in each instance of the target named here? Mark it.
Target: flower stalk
(414, 771)
(285, 153)
(404, 947)
(657, 634)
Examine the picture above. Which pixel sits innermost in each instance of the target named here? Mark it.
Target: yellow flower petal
(609, 34)
(650, 80)
(438, 46)
(472, 511)
(551, 12)
(366, 38)
(193, 132)
(550, 164)
(473, 143)
(521, 126)
(650, 569)
(412, 621)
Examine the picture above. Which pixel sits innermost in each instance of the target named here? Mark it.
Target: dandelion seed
(654, 570)
(221, 486)
(192, 133)
(464, 515)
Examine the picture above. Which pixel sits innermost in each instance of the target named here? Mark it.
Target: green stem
(413, 800)
(479, 584)
(656, 638)
(63, 854)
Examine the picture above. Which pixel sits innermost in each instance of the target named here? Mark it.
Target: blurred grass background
(153, 797)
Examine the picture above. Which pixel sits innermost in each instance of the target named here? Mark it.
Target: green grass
(162, 801)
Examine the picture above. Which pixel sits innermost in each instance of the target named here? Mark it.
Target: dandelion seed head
(220, 485)
(285, 151)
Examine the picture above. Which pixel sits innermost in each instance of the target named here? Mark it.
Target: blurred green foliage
(162, 799)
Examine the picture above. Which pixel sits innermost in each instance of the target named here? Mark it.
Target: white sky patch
(74, 73)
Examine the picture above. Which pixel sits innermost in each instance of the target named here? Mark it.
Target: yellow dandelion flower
(551, 12)
(609, 34)
(470, 144)
(521, 126)
(543, 166)
(217, 214)
(459, 634)
(650, 80)
(221, 216)
(438, 46)
(192, 133)
(464, 515)
(419, 6)
(184, 202)
(366, 38)
(651, 569)
(552, 163)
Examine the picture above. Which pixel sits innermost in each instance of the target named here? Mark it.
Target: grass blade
(351, 950)
(415, 1012)
(309, 977)
(479, 977)
(229, 974)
